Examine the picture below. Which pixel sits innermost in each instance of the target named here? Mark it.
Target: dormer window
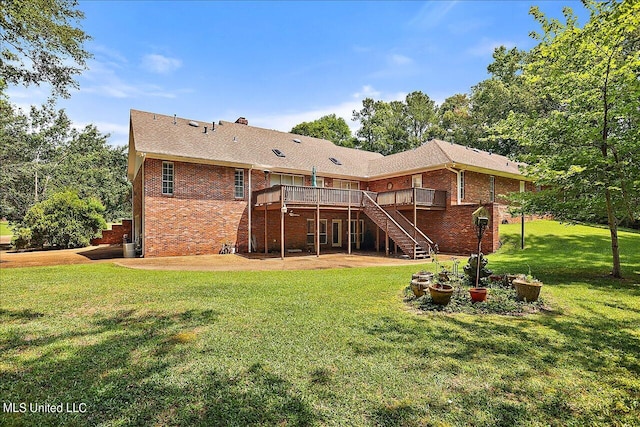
(278, 153)
(335, 161)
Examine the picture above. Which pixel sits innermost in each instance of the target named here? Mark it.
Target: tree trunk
(613, 229)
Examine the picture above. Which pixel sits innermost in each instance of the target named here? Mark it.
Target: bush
(63, 220)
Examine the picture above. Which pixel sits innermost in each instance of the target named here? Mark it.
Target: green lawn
(4, 229)
(325, 347)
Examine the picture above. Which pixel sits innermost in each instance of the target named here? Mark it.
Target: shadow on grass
(571, 258)
(569, 353)
(128, 369)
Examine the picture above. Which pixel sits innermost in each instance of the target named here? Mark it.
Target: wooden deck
(338, 198)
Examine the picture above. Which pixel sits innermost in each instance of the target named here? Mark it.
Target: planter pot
(527, 291)
(478, 294)
(441, 294)
(418, 287)
(423, 277)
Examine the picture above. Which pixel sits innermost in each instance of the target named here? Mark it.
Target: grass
(326, 347)
(4, 229)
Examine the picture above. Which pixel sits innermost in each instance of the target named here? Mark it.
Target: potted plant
(527, 288)
(475, 273)
(420, 281)
(440, 293)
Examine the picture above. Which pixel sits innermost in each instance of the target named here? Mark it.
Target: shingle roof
(235, 143)
(436, 153)
(240, 144)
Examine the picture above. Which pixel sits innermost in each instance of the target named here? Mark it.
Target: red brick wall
(137, 203)
(199, 217)
(452, 229)
(439, 180)
(296, 228)
(115, 235)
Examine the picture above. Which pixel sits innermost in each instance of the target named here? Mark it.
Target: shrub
(63, 220)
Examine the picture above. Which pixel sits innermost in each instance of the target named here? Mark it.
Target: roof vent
(335, 161)
(194, 124)
(242, 121)
(296, 140)
(235, 139)
(278, 152)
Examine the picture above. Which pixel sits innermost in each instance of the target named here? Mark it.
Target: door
(336, 233)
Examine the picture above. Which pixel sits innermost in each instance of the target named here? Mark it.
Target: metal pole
(522, 230)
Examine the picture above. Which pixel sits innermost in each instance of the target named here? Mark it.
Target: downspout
(458, 182)
(143, 214)
(249, 206)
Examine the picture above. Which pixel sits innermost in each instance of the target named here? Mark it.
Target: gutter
(458, 181)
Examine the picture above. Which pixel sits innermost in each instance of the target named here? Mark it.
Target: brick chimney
(242, 121)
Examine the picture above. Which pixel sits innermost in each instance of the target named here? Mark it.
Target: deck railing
(340, 197)
(309, 196)
(423, 197)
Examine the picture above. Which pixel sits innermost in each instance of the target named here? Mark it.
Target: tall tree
(330, 127)
(41, 43)
(587, 142)
(391, 127)
(41, 153)
(495, 98)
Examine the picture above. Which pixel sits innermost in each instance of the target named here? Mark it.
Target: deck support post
(318, 229)
(415, 225)
(358, 230)
(349, 225)
(386, 238)
(283, 208)
(266, 246)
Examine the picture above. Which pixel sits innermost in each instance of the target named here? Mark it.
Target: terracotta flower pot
(441, 294)
(423, 276)
(527, 291)
(418, 287)
(478, 294)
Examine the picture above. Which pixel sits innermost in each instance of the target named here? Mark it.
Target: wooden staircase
(409, 245)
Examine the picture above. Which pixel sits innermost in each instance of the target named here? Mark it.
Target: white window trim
(172, 181)
(416, 181)
(293, 178)
(312, 223)
(346, 184)
(353, 231)
(236, 187)
(461, 180)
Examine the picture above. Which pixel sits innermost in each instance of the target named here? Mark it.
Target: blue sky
(281, 63)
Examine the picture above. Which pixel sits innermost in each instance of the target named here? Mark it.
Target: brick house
(197, 186)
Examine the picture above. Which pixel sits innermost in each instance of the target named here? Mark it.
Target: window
(278, 153)
(320, 181)
(522, 187)
(354, 231)
(167, 178)
(346, 185)
(492, 188)
(311, 231)
(461, 189)
(416, 181)
(238, 183)
(281, 179)
(335, 161)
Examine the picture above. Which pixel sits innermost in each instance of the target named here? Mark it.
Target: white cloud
(432, 13)
(104, 79)
(287, 120)
(160, 64)
(397, 59)
(485, 47)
